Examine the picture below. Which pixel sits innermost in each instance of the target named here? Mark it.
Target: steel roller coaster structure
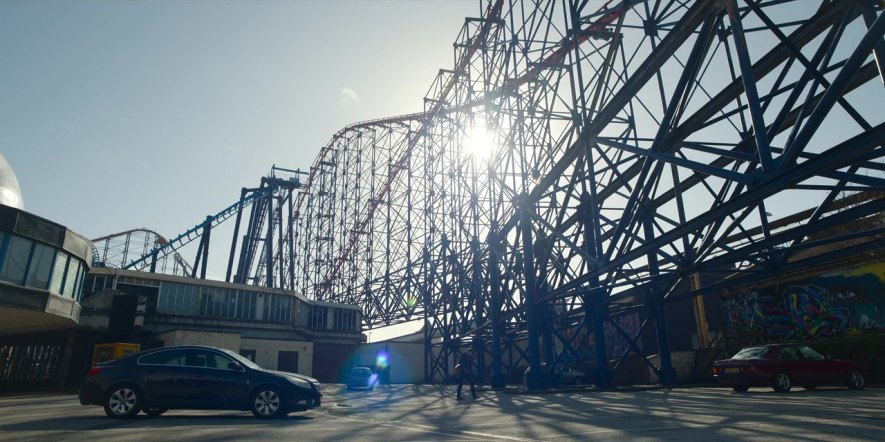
(624, 149)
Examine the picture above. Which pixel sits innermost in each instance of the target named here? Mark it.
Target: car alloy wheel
(122, 401)
(267, 403)
(782, 382)
(855, 381)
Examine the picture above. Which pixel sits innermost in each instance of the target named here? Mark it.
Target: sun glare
(479, 141)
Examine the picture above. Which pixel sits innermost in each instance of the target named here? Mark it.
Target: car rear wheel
(268, 403)
(122, 401)
(855, 381)
(740, 388)
(782, 382)
(154, 411)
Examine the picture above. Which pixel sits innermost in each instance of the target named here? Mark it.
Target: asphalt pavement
(431, 412)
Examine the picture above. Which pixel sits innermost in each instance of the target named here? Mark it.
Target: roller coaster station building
(55, 307)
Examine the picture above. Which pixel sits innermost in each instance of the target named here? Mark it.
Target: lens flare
(479, 141)
(382, 360)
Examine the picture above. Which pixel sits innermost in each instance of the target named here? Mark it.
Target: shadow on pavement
(178, 419)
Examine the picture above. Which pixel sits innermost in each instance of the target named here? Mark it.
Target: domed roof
(10, 193)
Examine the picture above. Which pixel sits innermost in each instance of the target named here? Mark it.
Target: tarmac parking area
(430, 412)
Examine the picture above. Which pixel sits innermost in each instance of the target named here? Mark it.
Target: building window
(178, 299)
(15, 263)
(78, 287)
(41, 266)
(210, 302)
(58, 273)
(345, 320)
(277, 308)
(70, 286)
(187, 299)
(95, 284)
(216, 302)
(227, 303)
(318, 317)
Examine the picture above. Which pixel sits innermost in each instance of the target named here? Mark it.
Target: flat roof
(212, 283)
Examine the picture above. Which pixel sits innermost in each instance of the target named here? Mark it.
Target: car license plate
(732, 370)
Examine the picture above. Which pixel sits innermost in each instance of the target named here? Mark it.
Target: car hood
(288, 374)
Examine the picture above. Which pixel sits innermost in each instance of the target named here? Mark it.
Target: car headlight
(300, 383)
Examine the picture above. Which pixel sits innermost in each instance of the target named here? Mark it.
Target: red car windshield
(752, 353)
(809, 353)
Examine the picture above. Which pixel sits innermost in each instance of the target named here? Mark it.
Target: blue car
(362, 377)
(195, 377)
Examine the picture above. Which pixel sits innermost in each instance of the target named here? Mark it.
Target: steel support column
(493, 245)
(535, 378)
(656, 307)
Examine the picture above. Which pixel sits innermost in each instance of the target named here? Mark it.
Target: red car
(780, 366)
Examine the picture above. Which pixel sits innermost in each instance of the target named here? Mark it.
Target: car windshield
(751, 353)
(809, 353)
(241, 359)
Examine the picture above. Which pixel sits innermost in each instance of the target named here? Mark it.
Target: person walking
(463, 368)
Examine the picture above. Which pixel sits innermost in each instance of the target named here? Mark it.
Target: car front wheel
(122, 401)
(855, 381)
(267, 403)
(782, 382)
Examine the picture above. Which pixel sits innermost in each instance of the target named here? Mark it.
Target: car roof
(133, 356)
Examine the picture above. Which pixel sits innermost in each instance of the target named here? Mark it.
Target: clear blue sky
(117, 115)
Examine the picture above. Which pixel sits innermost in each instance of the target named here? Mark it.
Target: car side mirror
(234, 366)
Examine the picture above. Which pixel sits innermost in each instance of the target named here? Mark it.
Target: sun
(479, 141)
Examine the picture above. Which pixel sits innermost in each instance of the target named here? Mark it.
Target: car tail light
(94, 371)
(716, 370)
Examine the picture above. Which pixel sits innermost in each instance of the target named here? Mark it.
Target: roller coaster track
(640, 143)
(161, 249)
(115, 250)
(143, 249)
(643, 153)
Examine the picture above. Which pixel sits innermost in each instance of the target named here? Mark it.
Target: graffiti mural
(824, 305)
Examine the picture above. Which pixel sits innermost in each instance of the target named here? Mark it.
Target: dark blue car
(195, 377)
